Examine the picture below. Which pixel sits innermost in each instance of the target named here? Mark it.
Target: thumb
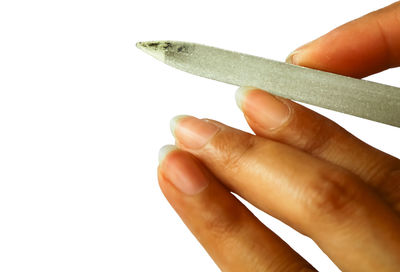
(359, 48)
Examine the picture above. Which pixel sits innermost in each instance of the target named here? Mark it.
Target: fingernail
(174, 121)
(182, 171)
(164, 151)
(297, 56)
(241, 94)
(192, 132)
(292, 58)
(263, 108)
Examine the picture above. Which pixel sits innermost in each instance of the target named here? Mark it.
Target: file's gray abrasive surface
(370, 100)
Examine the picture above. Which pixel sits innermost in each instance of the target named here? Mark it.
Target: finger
(323, 201)
(232, 236)
(290, 123)
(359, 48)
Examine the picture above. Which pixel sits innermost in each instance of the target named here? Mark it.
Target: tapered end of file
(156, 49)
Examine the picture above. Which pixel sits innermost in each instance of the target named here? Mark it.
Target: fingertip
(174, 122)
(164, 151)
(241, 94)
(192, 133)
(295, 56)
(182, 170)
(291, 58)
(264, 109)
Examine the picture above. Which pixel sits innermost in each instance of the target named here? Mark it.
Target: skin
(304, 169)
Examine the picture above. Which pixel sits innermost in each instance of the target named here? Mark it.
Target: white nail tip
(164, 151)
(241, 94)
(174, 121)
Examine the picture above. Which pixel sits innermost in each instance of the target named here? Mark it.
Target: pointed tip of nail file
(139, 45)
(155, 49)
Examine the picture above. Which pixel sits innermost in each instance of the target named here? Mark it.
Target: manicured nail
(292, 58)
(164, 151)
(241, 94)
(193, 133)
(262, 108)
(297, 56)
(174, 121)
(182, 171)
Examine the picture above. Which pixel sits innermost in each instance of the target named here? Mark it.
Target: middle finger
(293, 124)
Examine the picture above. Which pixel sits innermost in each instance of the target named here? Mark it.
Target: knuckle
(310, 131)
(232, 148)
(390, 189)
(323, 133)
(222, 224)
(331, 194)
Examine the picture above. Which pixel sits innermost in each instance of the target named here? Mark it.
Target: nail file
(362, 98)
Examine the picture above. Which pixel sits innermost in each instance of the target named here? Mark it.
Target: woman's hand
(300, 167)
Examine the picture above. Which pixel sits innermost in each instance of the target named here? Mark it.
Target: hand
(300, 167)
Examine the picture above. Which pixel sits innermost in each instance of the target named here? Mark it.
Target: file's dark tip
(156, 49)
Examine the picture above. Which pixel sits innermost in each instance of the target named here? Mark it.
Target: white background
(83, 113)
